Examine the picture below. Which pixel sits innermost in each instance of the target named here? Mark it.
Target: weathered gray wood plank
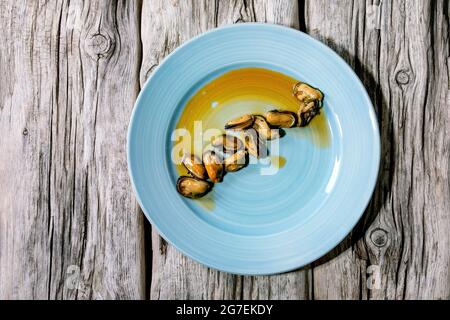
(69, 226)
(402, 59)
(401, 56)
(166, 25)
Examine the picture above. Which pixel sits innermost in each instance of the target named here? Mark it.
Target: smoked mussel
(227, 143)
(307, 112)
(195, 166)
(310, 102)
(193, 188)
(305, 93)
(241, 123)
(281, 119)
(214, 165)
(254, 145)
(265, 132)
(236, 161)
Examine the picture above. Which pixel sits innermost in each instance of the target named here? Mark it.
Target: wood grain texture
(69, 224)
(400, 52)
(71, 71)
(166, 25)
(399, 49)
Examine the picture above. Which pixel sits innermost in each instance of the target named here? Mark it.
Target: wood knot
(25, 132)
(379, 237)
(402, 77)
(99, 45)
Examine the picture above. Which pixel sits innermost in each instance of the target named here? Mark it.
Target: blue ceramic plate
(260, 224)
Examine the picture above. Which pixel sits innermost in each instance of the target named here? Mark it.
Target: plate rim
(372, 115)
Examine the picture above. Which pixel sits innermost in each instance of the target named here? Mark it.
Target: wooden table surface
(70, 227)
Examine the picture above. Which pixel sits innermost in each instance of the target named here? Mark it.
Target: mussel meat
(193, 188)
(214, 166)
(253, 144)
(243, 122)
(306, 93)
(227, 143)
(281, 119)
(236, 161)
(194, 165)
(307, 112)
(264, 131)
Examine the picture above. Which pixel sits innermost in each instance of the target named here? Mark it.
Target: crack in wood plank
(174, 275)
(401, 65)
(71, 70)
(380, 53)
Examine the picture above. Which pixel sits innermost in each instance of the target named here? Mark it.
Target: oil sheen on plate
(232, 94)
